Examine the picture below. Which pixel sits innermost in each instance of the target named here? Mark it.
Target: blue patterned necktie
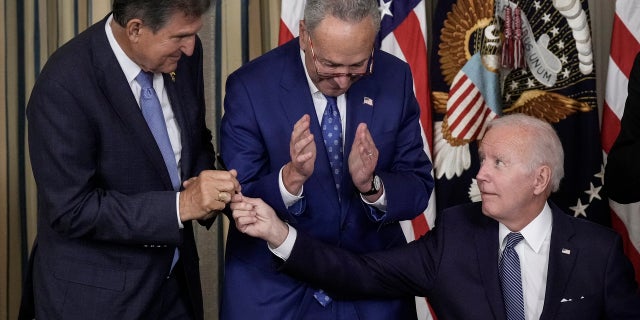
(152, 113)
(332, 134)
(511, 279)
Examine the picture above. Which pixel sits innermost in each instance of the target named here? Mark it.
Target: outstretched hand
(257, 219)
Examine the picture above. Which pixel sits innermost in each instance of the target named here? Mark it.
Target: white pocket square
(569, 299)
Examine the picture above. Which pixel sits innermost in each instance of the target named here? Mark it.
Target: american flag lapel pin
(566, 251)
(368, 101)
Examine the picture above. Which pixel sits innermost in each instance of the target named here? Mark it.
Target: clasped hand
(257, 219)
(208, 193)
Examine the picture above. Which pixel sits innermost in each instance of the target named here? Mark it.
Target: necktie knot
(145, 79)
(332, 102)
(513, 239)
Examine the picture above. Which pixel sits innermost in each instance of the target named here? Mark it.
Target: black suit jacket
(456, 267)
(107, 221)
(622, 175)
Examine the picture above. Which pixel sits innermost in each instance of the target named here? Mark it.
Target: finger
(237, 197)
(245, 220)
(224, 197)
(189, 182)
(300, 127)
(244, 205)
(254, 202)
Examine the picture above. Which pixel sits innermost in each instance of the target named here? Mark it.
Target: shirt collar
(130, 68)
(312, 86)
(535, 232)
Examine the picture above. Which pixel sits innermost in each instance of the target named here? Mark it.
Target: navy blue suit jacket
(455, 266)
(107, 221)
(264, 100)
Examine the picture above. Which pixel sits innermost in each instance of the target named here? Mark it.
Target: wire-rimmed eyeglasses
(327, 75)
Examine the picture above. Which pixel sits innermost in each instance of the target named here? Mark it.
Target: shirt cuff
(284, 250)
(180, 225)
(288, 198)
(380, 204)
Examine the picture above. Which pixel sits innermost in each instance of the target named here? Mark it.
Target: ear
(303, 36)
(542, 180)
(134, 29)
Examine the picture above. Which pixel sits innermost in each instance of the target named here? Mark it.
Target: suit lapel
(562, 257)
(184, 126)
(116, 89)
(357, 113)
(486, 242)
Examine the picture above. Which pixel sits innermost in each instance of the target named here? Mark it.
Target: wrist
(374, 187)
(279, 235)
(292, 180)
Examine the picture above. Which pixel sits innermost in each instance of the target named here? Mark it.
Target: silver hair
(346, 10)
(545, 146)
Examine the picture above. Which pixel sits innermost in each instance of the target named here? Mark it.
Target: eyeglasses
(328, 75)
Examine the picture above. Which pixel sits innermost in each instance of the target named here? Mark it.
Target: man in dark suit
(352, 195)
(622, 175)
(115, 239)
(569, 268)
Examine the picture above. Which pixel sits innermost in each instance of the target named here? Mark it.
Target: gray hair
(545, 146)
(345, 10)
(156, 13)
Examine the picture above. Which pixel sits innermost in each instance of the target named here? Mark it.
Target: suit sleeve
(244, 147)
(622, 174)
(622, 296)
(408, 270)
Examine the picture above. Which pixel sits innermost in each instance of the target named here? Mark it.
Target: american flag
(625, 44)
(403, 34)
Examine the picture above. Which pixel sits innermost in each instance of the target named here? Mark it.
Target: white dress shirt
(533, 252)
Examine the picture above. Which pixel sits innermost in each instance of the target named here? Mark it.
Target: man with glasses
(332, 141)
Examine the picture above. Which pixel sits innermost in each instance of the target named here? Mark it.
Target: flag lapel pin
(566, 251)
(368, 101)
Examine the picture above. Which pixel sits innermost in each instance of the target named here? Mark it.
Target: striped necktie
(510, 278)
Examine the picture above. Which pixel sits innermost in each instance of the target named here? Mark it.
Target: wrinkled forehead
(505, 140)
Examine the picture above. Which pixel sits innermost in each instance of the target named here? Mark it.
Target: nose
(344, 82)
(187, 45)
(482, 175)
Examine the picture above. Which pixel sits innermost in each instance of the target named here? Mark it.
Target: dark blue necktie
(332, 134)
(511, 279)
(152, 113)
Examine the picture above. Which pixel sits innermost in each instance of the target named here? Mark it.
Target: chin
(487, 208)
